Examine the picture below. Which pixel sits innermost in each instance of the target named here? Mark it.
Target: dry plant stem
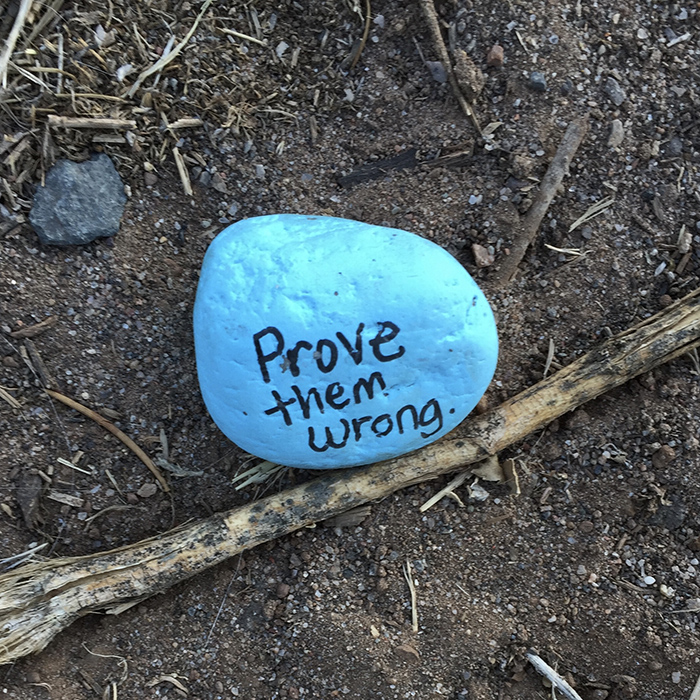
(164, 60)
(40, 600)
(9, 47)
(365, 34)
(553, 677)
(530, 223)
(434, 26)
(125, 439)
(90, 122)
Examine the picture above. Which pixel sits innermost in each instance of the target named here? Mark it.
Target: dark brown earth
(610, 494)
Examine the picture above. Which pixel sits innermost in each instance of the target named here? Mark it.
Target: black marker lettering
(293, 356)
(379, 419)
(368, 386)
(356, 354)
(282, 407)
(325, 343)
(357, 425)
(399, 417)
(437, 416)
(380, 339)
(335, 391)
(264, 358)
(304, 403)
(329, 438)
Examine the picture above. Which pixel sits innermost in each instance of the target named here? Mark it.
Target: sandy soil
(594, 565)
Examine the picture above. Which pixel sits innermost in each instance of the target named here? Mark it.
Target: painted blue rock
(326, 343)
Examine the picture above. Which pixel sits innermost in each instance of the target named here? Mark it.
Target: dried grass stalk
(40, 600)
(9, 47)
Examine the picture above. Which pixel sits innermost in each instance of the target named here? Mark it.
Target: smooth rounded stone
(79, 202)
(326, 343)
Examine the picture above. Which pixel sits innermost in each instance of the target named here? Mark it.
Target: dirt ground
(594, 565)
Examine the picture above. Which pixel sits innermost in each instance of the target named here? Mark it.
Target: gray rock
(537, 81)
(671, 516)
(674, 148)
(79, 203)
(617, 134)
(615, 92)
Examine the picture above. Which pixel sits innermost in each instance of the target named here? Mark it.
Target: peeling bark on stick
(40, 600)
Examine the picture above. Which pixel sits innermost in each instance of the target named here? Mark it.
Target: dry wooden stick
(552, 676)
(530, 223)
(104, 423)
(90, 122)
(40, 600)
(434, 26)
(9, 47)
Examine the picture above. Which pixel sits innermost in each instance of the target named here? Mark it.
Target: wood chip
(90, 122)
(36, 329)
(65, 498)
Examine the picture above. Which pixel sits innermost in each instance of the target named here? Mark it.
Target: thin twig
(454, 484)
(182, 171)
(530, 223)
(434, 26)
(243, 37)
(9, 47)
(412, 588)
(365, 34)
(552, 676)
(104, 423)
(164, 60)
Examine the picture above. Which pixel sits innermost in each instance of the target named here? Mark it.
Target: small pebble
(586, 526)
(147, 490)
(655, 666)
(613, 90)
(617, 134)
(282, 590)
(217, 182)
(494, 57)
(407, 653)
(676, 677)
(150, 179)
(663, 456)
(674, 148)
(649, 580)
(482, 257)
(537, 81)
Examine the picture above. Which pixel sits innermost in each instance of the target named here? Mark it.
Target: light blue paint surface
(312, 278)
